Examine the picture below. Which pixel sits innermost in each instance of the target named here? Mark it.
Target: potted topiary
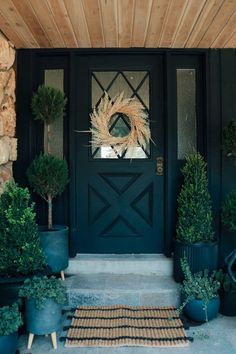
(10, 321)
(44, 300)
(199, 292)
(194, 234)
(20, 251)
(48, 105)
(48, 176)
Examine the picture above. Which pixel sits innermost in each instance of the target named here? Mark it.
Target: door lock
(159, 166)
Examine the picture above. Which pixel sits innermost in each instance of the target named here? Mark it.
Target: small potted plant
(20, 251)
(48, 177)
(44, 300)
(227, 293)
(10, 321)
(195, 238)
(199, 292)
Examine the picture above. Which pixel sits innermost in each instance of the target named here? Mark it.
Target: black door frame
(27, 80)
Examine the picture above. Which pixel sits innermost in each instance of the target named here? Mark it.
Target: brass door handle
(160, 166)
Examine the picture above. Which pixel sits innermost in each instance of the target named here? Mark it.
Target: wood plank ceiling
(119, 23)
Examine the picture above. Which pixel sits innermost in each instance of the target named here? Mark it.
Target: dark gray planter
(227, 303)
(45, 320)
(55, 246)
(8, 344)
(200, 256)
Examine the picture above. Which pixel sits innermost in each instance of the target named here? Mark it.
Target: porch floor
(216, 337)
(133, 280)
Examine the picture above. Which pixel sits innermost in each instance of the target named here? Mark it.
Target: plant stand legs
(62, 275)
(53, 337)
(30, 340)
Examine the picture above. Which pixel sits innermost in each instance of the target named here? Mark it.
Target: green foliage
(229, 139)
(48, 175)
(10, 319)
(48, 104)
(20, 251)
(194, 204)
(199, 286)
(226, 283)
(42, 288)
(229, 211)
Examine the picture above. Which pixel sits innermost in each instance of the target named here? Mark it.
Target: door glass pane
(55, 78)
(186, 112)
(134, 84)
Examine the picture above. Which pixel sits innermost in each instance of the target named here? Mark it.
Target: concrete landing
(129, 289)
(146, 264)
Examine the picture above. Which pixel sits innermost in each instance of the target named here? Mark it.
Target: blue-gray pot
(195, 309)
(8, 343)
(45, 320)
(55, 246)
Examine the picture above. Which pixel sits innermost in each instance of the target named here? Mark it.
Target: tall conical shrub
(194, 204)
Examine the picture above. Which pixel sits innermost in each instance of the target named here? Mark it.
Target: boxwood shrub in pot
(199, 292)
(10, 321)
(194, 233)
(44, 300)
(20, 251)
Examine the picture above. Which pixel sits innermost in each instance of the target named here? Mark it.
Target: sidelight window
(55, 78)
(186, 112)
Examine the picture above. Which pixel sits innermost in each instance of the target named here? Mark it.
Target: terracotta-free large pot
(200, 256)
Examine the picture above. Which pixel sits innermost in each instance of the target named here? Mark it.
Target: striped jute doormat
(118, 325)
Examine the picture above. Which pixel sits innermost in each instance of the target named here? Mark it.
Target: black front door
(119, 198)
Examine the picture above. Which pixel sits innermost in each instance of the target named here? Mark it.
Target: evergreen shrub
(20, 251)
(40, 289)
(48, 176)
(194, 204)
(10, 319)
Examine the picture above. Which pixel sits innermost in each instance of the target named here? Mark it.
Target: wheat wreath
(139, 134)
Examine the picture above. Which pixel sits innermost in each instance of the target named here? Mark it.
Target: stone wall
(8, 142)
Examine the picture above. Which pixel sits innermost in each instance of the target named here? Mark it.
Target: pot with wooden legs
(44, 300)
(44, 321)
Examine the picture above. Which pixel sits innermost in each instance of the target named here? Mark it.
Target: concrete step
(129, 289)
(146, 264)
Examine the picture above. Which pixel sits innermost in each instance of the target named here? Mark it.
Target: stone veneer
(8, 142)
